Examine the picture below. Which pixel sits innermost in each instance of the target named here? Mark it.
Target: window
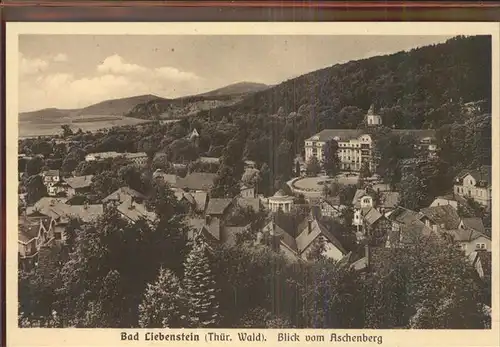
(480, 246)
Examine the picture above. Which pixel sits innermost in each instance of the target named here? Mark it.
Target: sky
(74, 71)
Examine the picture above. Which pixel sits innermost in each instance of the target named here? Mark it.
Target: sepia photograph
(254, 182)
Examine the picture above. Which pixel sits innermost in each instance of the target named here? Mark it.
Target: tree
(35, 189)
(163, 304)
(71, 231)
(105, 183)
(227, 183)
(365, 170)
(131, 176)
(317, 249)
(34, 166)
(421, 182)
(332, 296)
(297, 169)
(429, 284)
(201, 289)
(37, 287)
(66, 130)
(331, 163)
(313, 167)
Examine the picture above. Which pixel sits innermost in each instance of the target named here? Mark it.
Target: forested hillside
(406, 85)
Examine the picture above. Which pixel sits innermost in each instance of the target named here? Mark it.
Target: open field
(45, 127)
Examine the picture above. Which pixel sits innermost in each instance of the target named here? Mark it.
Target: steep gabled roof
(482, 174)
(403, 215)
(389, 199)
(135, 211)
(445, 215)
(197, 181)
(465, 235)
(79, 182)
(306, 237)
(121, 194)
(370, 215)
(218, 206)
(474, 223)
(254, 203)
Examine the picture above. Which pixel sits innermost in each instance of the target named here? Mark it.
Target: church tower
(371, 118)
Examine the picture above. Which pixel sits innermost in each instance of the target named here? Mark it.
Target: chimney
(368, 256)
(309, 226)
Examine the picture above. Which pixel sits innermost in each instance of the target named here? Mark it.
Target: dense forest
(410, 88)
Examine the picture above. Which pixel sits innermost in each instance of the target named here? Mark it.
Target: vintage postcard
(242, 183)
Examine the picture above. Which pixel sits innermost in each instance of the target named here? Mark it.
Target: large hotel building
(355, 145)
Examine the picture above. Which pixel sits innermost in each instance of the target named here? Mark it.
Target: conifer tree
(163, 303)
(201, 290)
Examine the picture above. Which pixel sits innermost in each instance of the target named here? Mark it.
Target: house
(406, 226)
(170, 179)
(101, 156)
(408, 234)
(470, 240)
(32, 234)
(139, 159)
(196, 202)
(361, 200)
(134, 211)
(481, 260)
(193, 135)
(197, 182)
(51, 177)
(58, 189)
(280, 201)
(250, 164)
(331, 207)
(473, 223)
(450, 199)
(309, 233)
(209, 160)
(475, 184)
(371, 118)
(214, 228)
(443, 217)
(373, 224)
(122, 194)
(43, 206)
(62, 213)
(388, 201)
(78, 185)
(247, 192)
(254, 203)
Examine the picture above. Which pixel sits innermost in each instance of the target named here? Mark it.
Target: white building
(373, 119)
(355, 145)
(475, 184)
(280, 201)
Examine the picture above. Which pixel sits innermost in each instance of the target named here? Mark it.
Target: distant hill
(148, 106)
(237, 89)
(191, 105)
(115, 107)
